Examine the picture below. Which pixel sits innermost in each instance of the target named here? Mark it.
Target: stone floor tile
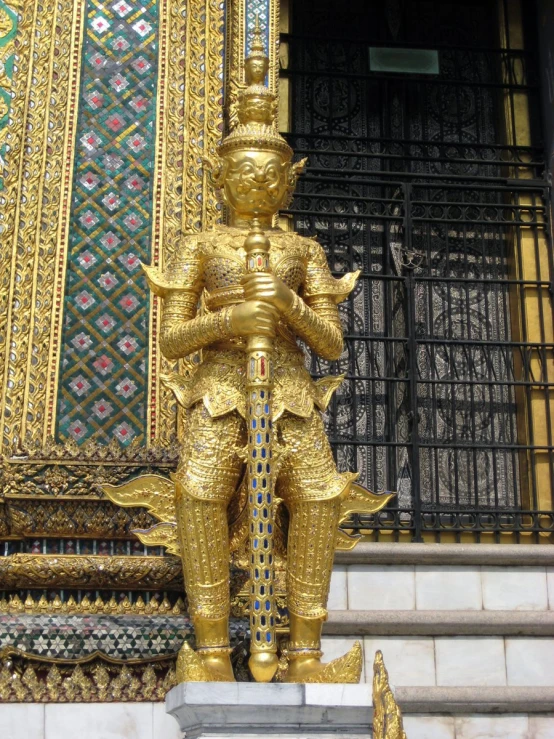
(21, 721)
(381, 587)
(514, 588)
(550, 586)
(164, 726)
(530, 661)
(448, 588)
(94, 720)
(427, 727)
(541, 727)
(505, 726)
(466, 661)
(410, 661)
(338, 600)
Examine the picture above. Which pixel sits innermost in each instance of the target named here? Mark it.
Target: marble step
(499, 555)
(475, 700)
(440, 623)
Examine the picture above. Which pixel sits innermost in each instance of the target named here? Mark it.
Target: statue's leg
(207, 477)
(312, 489)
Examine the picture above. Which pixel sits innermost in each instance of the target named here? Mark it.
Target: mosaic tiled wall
(103, 375)
(8, 29)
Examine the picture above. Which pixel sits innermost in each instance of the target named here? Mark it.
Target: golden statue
(241, 295)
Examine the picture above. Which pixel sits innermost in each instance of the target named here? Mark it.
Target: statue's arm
(182, 331)
(316, 321)
(315, 316)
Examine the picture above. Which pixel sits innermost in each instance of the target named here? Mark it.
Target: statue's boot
(212, 646)
(304, 656)
(304, 649)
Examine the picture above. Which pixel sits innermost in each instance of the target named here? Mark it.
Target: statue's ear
(299, 168)
(215, 170)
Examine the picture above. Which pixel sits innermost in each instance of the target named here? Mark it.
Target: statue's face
(258, 69)
(255, 183)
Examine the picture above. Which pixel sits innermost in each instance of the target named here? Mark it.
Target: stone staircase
(467, 633)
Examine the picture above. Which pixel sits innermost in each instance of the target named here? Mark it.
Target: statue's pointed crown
(257, 106)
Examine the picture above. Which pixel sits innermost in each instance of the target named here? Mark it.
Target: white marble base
(220, 710)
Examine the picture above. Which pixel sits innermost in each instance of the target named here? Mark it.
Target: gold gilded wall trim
(10, 200)
(35, 218)
(90, 572)
(27, 679)
(72, 82)
(191, 80)
(156, 605)
(168, 179)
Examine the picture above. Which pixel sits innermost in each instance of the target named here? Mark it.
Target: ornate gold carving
(26, 679)
(151, 491)
(387, 717)
(86, 605)
(190, 667)
(6, 23)
(358, 501)
(90, 572)
(67, 517)
(69, 470)
(345, 669)
(237, 47)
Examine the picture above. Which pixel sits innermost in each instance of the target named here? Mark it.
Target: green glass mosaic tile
(102, 392)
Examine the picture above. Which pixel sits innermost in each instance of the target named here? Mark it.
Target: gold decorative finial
(253, 116)
(257, 41)
(387, 717)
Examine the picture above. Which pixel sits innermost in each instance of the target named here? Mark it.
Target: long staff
(259, 386)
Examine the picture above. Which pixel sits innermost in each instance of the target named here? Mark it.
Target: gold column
(190, 120)
(531, 305)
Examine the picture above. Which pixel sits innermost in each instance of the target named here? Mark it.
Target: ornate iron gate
(411, 181)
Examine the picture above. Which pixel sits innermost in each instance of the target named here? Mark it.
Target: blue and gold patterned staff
(261, 478)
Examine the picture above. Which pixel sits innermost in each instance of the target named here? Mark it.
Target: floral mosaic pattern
(117, 637)
(75, 637)
(102, 391)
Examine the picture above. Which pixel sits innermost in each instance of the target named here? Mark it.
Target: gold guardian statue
(242, 295)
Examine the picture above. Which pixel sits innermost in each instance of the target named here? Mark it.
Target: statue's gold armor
(207, 270)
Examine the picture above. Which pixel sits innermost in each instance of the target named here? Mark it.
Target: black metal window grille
(448, 356)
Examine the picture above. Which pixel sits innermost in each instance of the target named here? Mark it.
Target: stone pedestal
(225, 710)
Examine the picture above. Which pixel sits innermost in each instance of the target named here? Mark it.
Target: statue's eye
(246, 170)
